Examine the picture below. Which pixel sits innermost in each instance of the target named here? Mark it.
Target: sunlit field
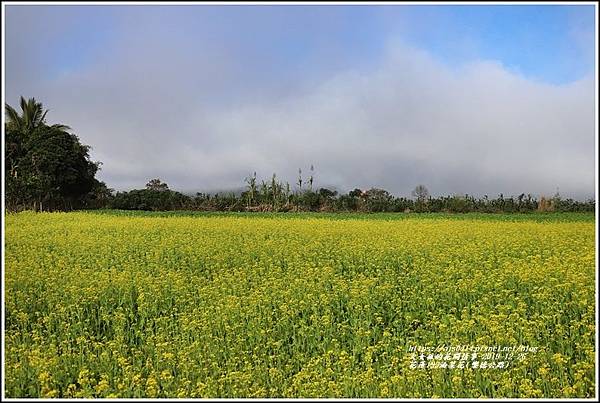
(250, 305)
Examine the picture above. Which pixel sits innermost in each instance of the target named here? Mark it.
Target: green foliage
(46, 166)
(156, 184)
(150, 199)
(377, 200)
(275, 195)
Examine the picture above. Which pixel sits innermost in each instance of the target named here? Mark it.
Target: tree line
(48, 168)
(276, 196)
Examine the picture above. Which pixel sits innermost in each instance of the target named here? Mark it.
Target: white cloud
(479, 130)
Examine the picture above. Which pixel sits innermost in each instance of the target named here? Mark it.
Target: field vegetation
(179, 304)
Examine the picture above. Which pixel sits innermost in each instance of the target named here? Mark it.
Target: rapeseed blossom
(106, 305)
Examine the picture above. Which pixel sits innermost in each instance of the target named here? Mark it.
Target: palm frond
(12, 115)
(23, 104)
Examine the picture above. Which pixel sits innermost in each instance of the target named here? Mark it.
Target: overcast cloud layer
(164, 95)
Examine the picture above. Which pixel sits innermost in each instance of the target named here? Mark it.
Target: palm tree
(20, 128)
(32, 116)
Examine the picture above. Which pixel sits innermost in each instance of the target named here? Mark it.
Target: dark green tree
(47, 167)
(157, 185)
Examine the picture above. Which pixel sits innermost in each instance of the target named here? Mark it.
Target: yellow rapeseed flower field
(142, 305)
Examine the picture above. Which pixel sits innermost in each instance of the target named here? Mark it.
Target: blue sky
(551, 43)
(216, 63)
